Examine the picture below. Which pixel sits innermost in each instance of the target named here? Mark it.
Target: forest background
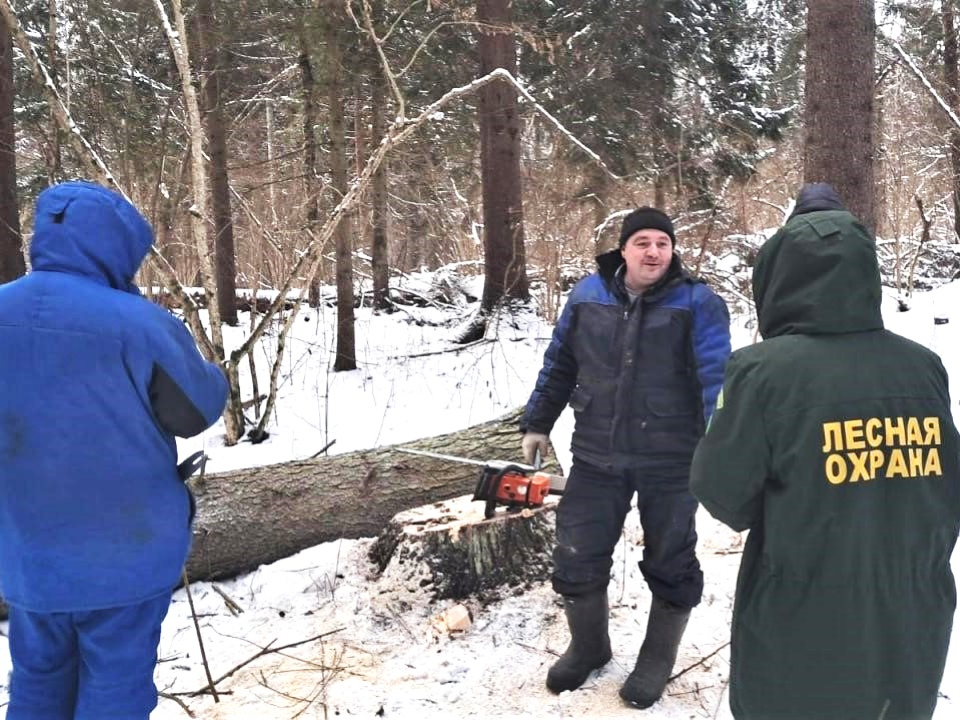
(288, 146)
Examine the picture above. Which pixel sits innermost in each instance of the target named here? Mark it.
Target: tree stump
(450, 550)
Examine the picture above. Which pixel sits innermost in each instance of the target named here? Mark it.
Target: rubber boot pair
(665, 626)
(589, 649)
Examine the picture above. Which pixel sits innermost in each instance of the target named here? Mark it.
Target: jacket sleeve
(733, 460)
(187, 393)
(711, 346)
(556, 379)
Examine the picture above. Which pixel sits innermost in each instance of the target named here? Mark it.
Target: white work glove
(533, 441)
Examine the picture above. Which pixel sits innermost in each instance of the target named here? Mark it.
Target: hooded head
(646, 218)
(85, 229)
(814, 197)
(819, 273)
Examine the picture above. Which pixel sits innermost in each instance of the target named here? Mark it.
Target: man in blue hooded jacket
(94, 519)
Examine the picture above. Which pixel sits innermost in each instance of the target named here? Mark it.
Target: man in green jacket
(833, 443)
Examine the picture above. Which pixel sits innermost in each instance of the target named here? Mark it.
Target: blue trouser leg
(119, 651)
(590, 518)
(43, 648)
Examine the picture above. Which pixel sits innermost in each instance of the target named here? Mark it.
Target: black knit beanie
(646, 218)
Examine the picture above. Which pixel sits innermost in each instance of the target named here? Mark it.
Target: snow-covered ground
(368, 646)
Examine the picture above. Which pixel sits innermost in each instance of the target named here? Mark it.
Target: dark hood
(816, 196)
(818, 275)
(85, 229)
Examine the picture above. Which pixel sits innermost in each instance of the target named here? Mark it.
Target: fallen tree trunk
(251, 517)
(255, 516)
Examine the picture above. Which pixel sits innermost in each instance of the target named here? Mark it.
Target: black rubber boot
(665, 627)
(589, 648)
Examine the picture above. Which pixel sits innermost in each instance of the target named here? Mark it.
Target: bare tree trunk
(255, 516)
(310, 122)
(222, 228)
(380, 249)
(12, 263)
(838, 122)
(346, 357)
(950, 79)
(54, 159)
(505, 261)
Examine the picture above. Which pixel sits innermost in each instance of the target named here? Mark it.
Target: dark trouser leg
(672, 571)
(668, 517)
(43, 684)
(589, 519)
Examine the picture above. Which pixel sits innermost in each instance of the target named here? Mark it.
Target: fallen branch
(231, 604)
(196, 624)
(701, 661)
(178, 701)
(267, 650)
(455, 349)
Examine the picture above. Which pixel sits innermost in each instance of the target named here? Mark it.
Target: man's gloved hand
(532, 442)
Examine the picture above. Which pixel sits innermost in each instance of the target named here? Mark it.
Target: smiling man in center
(639, 354)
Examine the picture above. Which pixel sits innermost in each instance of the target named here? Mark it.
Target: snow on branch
(923, 80)
(80, 145)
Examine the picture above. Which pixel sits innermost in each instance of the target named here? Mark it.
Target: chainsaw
(514, 485)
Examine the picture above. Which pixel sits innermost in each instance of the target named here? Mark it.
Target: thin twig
(231, 604)
(179, 702)
(322, 450)
(701, 661)
(266, 650)
(455, 349)
(196, 624)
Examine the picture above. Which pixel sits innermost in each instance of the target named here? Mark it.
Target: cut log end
(452, 551)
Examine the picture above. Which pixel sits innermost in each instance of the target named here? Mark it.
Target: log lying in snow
(247, 518)
(255, 516)
(450, 550)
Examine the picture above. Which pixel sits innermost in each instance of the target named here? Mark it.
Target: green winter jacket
(833, 443)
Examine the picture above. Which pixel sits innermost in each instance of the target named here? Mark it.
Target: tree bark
(505, 272)
(838, 122)
(252, 517)
(451, 551)
(12, 264)
(379, 246)
(54, 156)
(951, 79)
(215, 128)
(255, 516)
(310, 123)
(346, 356)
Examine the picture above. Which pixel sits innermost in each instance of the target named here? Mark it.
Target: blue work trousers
(94, 665)
(590, 519)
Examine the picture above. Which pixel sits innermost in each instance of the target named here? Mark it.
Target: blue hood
(85, 229)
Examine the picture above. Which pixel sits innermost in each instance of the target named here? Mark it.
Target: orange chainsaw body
(513, 486)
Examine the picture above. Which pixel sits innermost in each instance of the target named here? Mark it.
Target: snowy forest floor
(381, 647)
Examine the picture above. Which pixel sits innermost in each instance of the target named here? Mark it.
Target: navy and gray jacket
(95, 382)
(641, 376)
